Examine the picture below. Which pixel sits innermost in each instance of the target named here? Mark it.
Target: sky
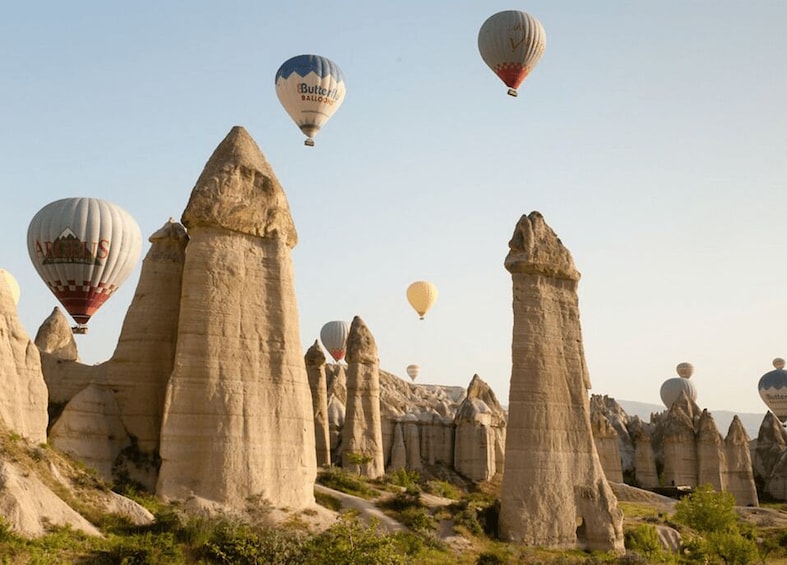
(652, 136)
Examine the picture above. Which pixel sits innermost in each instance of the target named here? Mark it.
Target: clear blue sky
(652, 136)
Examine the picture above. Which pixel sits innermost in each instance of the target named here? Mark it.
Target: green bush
(348, 542)
(733, 548)
(644, 539)
(405, 478)
(444, 489)
(339, 479)
(239, 544)
(706, 510)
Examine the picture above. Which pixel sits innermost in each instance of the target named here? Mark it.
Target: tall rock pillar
(315, 369)
(554, 492)
(362, 436)
(237, 420)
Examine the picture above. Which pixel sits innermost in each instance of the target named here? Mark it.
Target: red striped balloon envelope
(83, 249)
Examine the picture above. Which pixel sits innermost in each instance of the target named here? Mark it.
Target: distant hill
(751, 422)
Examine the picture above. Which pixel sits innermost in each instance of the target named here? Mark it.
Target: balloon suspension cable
(512, 92)
(309, 142)
(79, 329)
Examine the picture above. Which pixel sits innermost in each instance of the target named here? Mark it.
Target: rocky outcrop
(606, 438)
(711, 454)
(554, 492)
(237, 420)
(315, 369)
(56, 338)
(679, 446)
(362, 439)
(145, 353)
(23, 394)
(91, 430)
(479, 389)
(645, 473)
(474, 449)
(770, 457)
(739, 474)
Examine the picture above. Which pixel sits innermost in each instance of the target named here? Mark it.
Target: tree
(706, 510)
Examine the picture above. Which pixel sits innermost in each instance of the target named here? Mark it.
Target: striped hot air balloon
(83, 249)
(311, 89)
(773, 389)
(333, 336)
(511, 44)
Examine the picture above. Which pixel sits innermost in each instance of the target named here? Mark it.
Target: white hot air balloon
(311, 89)
(671, 388)
(83, 249)
(412, 371)
(12, 284)
(511, 44)
(421, 295)
(334, 337)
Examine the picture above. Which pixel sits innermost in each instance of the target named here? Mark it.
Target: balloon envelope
(671, 389)
(83, 249)
(511, 43)
(413, 370)
(311, 88)
(11, 283)
(773, 391)
(421, 295)
(334, 337)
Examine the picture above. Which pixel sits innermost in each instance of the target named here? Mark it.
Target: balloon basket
(79, 330)
(309, 142)
(513, 92)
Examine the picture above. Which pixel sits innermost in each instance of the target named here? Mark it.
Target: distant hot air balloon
(773, 389)
(412, 371)
(311, 88)
(511, 44)
(83, 249)
(334, 337)
(421, 295)
(671, 388)
(12, 284)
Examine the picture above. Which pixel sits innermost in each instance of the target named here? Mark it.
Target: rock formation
(711, 455)
(474, 449)
(739, 472)
(23, 394)
(237, 420)
(315, 369)
(479, 389)
(678, 442)
(56, 338)
(770, 457)
(91, 430)
(645, 474)
(606, 438)
(362, 439)
(554, 492)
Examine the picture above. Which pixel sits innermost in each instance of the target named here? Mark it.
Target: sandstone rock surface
(23, 394)
(315, 368)
(237, 420)
(362, 438)
(554, 492)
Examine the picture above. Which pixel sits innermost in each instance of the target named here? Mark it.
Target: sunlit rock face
(770, 457)
(606, 438)
(362, 438)
(23, 394)
(237, 420)
(554, 492)
(315, 368)
(739, 471)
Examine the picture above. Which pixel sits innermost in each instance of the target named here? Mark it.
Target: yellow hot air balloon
(422, 295)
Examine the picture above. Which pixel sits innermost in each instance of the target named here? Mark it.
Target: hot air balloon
(773, 389)
(412, 371)
(311, 88)
(511, 44)
(421, 295)
(334, 337)
(13, 286)
(671, 388)
(83, 249)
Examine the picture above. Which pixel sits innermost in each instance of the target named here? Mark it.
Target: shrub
(348, 542)
(405, 478)
(644, 539)
(706, 510)
(339, 479)
(239, 544)
(733, 548)
(327, 501)
(444, 489)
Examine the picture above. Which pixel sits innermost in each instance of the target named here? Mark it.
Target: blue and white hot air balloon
(311, 88)
(773, 389)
